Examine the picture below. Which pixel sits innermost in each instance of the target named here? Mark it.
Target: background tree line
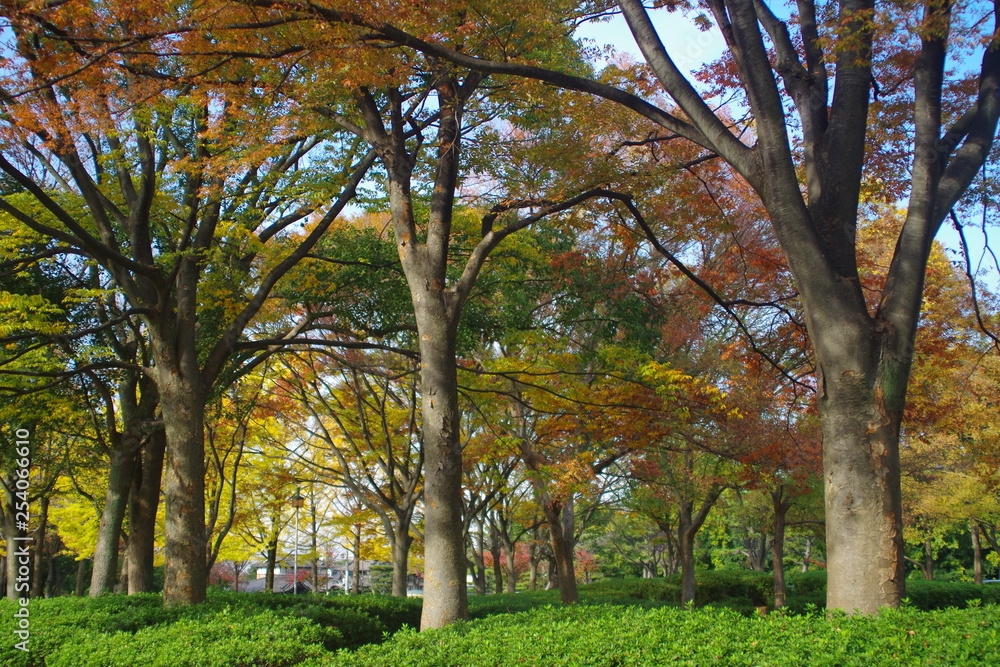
(493, 291)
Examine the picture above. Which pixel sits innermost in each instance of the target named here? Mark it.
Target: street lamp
(297, 502)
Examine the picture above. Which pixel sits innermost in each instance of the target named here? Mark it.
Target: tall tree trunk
(18, 552)
(510, 553)
(928, 566)
(781, 504)
(671, 554)
(534, 555)
(552, 573)
(53, 578)
(144, 501)
(356, 567)
(445, 594)
(685, 552)
(38, 568)
(478, 544)
(314, 574)
(122, 585)
(689, 523)
(497, 554)
(401, 542)
(860, 423)
(977, 552)
(509, 550)
(756, 550)
(272, 559)
(81, 578)
(562, 552)
(185, 576)
(105, 572)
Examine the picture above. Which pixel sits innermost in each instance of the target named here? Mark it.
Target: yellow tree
(358, 428)
(182, 193)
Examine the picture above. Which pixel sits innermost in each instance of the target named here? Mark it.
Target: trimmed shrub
(740, 589)
(620, 637)
(264, 639)
(66, 621)
(393, 613)
(808, 589)
(943, 594)
(354, 628)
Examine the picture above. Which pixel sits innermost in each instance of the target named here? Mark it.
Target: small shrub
(354, 628)
(225, 640)
(739, 588)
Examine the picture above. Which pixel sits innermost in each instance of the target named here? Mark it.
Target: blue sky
(691, 48)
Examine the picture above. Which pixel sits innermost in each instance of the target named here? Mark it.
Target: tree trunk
(445, 593)
(122, 585)
(864, 531)
(928, 566)
(356, 566)
(144, 500)
(807, 554)
(400, 560)
(186, 549)
(534, 555)
(510, 553)
(562, 552)
(689, 523)
(781, 504)
(756, 551)
(671, 554)
(552, 573)
(977, 552)
(38, 568)
(18, 552)
(497, 554)
(685, 553)
(105, 572)
(81, 579)
(272, 559)
(479, 570)
(314, 574)
(53, 578)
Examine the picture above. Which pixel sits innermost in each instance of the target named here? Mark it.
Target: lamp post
(297, 502)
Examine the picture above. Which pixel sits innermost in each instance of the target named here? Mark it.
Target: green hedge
(111, 622)
(278, 630)
(809, 590)
(607, 636)
(241, 639)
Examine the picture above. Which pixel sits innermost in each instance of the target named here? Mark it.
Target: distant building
(331, 576)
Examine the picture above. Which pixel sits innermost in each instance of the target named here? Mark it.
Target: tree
(172, 190)
(803, 146)
(358, 427)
